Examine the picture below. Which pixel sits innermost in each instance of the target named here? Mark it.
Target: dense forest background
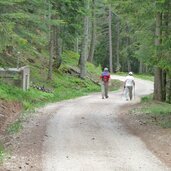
(127, 35)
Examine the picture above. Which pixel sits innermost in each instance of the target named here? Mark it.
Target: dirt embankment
(156, 138)
(9, 112)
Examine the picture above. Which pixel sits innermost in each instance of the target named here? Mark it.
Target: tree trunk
(93, 34)
(163, 85)
(166, 32)
(58, 49)
(110, 41)
(83, 57)
(51, 50)
(128, 51)
(117, 46)
(76, 48)
(157, 84)
(169, 87)
(141, 67)
(51, 47)
(129, 65)
(158, 71)
(146, 68)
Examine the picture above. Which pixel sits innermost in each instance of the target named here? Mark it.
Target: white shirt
(129, 81)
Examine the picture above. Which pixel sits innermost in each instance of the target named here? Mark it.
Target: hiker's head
(105, 69)
(130, 73)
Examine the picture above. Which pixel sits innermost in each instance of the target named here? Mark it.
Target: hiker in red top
(105, 76)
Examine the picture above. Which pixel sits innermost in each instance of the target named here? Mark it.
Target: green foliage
(71, 12)
(70, 58)
(92, 69)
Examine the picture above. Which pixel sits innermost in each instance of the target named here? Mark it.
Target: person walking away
(129, 84)
(105, 76)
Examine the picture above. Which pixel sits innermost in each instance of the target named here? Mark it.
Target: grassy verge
(64, 87)
(115, 85)
(157, 112)
(145, 77)
(121, 73)
(141, 76)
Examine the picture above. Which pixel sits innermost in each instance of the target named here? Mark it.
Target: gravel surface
(83, 134)
(86, 135)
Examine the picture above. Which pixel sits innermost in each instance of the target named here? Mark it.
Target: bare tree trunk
(129, 65)
(158, 71)
(58, 49)
(83, 57)
(146, 68)
(169, 87)
(158, 84)
(163, 85)
(51, 47)
(117, 46)
(59, 53)
(93, 34)
(127, 44)
(166, 82)
(141, 67)
(51, 50)
(76, 48)
(110, 40)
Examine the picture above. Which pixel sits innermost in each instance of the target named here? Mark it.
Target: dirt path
(84, 134)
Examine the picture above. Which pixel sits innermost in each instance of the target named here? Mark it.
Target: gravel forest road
(85, 134)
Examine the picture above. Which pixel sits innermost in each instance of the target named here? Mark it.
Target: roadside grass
(64, 87)
(158, 112)
(115, 85)
(121, 73)
(141, 76)
(145, 77)
(147, 99)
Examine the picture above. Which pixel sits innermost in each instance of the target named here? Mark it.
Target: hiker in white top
(129, 84)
